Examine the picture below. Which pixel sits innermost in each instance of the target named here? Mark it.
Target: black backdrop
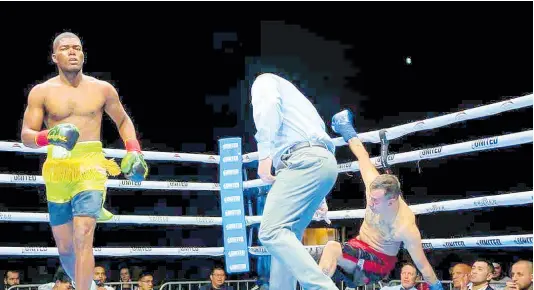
(184, 70)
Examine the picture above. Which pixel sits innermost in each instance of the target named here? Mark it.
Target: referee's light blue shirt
(284, 117)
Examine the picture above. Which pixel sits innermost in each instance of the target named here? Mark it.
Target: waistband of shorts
(82, 148)
(356, 243)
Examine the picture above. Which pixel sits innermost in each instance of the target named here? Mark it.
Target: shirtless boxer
(71, 105)
(388, 222)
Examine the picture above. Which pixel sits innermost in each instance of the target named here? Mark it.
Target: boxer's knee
(331, 252)
(84, 229)
(63, 237)
(328, 261)
(333, 247)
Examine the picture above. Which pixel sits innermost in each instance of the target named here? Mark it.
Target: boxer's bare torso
(82, 105)
(383, 235)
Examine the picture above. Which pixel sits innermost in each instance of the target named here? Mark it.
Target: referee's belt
(305, 144)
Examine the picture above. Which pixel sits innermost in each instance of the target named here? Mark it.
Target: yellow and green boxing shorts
(76, 182)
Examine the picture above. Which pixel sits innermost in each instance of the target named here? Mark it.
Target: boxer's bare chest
(385, 229)
(386, 235)
(389, 229)
(83, 102)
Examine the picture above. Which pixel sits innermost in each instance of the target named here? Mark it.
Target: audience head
(99, 274)
(217, 276)
(498, 272)
(458, 273)
(481, 272)
(408, 275)
(522, 274)
(11, 278)
(146, 281)
(124, 273)
(62, 280)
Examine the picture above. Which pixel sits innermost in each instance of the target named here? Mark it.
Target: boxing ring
(237, 248)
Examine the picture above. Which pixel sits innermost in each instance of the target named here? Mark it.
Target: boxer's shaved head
(61, 36)
(67, 52)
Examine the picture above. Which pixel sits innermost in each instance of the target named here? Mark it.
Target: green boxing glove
(62, 135)
(133, 165)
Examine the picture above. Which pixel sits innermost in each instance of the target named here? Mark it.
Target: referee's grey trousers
(303, 179)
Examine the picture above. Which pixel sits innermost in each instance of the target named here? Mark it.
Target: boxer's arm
(367, 168)
(115, 110)
(32, 121)
(412, 243)
(267, 113)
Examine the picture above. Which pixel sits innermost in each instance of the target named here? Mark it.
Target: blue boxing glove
(342, 124)
(436, 286)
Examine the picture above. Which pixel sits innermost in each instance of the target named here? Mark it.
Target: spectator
(521, 276)
(125, 277)
(460, 275)
(407, 276)
(481, 274)
(499, 278)
(217, 278)
(11, 278)
(146, 281)
(61, 282)
(100, 277)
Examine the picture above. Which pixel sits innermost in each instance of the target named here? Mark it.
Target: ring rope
(483, 144)
(517, 198)
(508, 199)
(454, 243)
(120, 183)
(427, 153)
(372, 136)
(119, 153)
(447, 150)
(441, 121)
(431, 123)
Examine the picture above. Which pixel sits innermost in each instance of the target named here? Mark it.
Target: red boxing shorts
(371, 267)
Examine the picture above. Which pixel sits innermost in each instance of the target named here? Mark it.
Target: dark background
(184, 72)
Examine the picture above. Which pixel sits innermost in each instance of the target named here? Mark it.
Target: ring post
(236, 253)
